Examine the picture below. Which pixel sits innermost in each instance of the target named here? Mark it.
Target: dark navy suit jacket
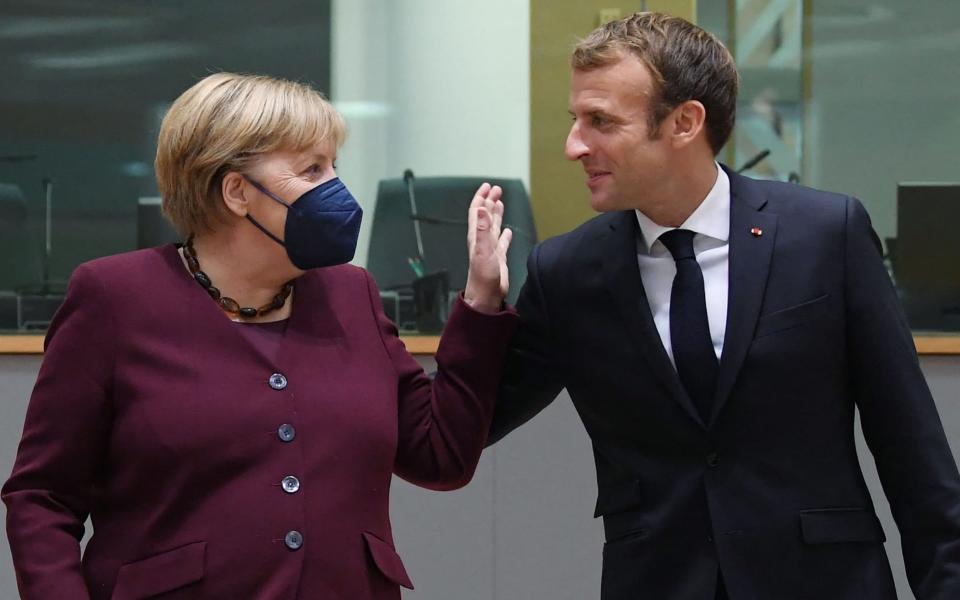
(768, 490)
(156, 416)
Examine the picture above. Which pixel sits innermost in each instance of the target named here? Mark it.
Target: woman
(230, 412)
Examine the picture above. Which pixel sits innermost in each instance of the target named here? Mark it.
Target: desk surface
(427, 344)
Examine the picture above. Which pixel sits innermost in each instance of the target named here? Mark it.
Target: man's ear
(232, 190)
(687, 122)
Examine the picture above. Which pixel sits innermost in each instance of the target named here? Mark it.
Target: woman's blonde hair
(221, 124)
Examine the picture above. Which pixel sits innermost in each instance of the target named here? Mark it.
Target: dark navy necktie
(693, 353)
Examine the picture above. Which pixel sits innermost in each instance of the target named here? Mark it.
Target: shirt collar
(711, 218)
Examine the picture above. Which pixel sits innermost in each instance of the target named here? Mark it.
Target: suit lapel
(622, 275)
(750, 256)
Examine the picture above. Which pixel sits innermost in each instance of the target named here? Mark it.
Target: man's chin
(603, 203)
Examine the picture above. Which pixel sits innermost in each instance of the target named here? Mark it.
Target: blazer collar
(752, 235)
(622, 275)
(310, 299)
(751, 238)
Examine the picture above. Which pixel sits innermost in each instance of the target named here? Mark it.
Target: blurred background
(856, 96)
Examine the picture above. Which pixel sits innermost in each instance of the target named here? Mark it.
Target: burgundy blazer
(180, 439)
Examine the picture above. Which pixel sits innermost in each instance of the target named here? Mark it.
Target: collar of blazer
(750, 257)
(310, 315)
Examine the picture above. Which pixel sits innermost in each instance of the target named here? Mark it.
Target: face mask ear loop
(272, 197)
(264, 230)
(266, 191)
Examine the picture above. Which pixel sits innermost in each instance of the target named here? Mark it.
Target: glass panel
(441, 88)
(860, 97)
(767, 46)
(85, 86)
(883, 113)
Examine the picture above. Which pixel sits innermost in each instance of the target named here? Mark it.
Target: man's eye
(313, 169)
(599, 121)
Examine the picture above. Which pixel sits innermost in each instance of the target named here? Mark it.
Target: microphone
(48, 226)
(437, 220)
(408, 179)
(463, 223)
(754, 161)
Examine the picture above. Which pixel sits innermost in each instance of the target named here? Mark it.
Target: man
(718, 380)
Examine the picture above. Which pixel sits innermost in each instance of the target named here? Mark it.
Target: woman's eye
(313, 169)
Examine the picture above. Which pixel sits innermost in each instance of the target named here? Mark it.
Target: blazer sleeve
(532, 375)
(60, 458)
(443, 422)
(899, 418)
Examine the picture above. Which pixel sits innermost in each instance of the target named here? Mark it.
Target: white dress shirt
(711, 226)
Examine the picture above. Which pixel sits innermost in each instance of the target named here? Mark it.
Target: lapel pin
(756, 231)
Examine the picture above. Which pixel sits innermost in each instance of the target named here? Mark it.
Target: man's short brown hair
(686, 62)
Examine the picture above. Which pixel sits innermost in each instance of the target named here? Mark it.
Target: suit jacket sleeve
(443, 422)
(899, 418)
(60, 458)
(531, 378)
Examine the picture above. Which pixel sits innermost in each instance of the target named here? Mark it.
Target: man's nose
(575, 147)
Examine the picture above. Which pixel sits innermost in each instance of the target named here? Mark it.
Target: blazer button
(291, 484)
(286, 432)
(278, 381)
(293, 540)
(713, 460)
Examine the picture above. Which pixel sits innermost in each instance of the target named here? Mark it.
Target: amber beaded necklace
(228, 304)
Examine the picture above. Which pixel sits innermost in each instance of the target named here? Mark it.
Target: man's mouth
(594, 177)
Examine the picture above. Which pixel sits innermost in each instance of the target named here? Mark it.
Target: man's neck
(682, 194)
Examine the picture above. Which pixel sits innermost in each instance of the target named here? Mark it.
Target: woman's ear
(232, 190)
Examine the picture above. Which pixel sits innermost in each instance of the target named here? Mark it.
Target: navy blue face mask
(322, 226)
